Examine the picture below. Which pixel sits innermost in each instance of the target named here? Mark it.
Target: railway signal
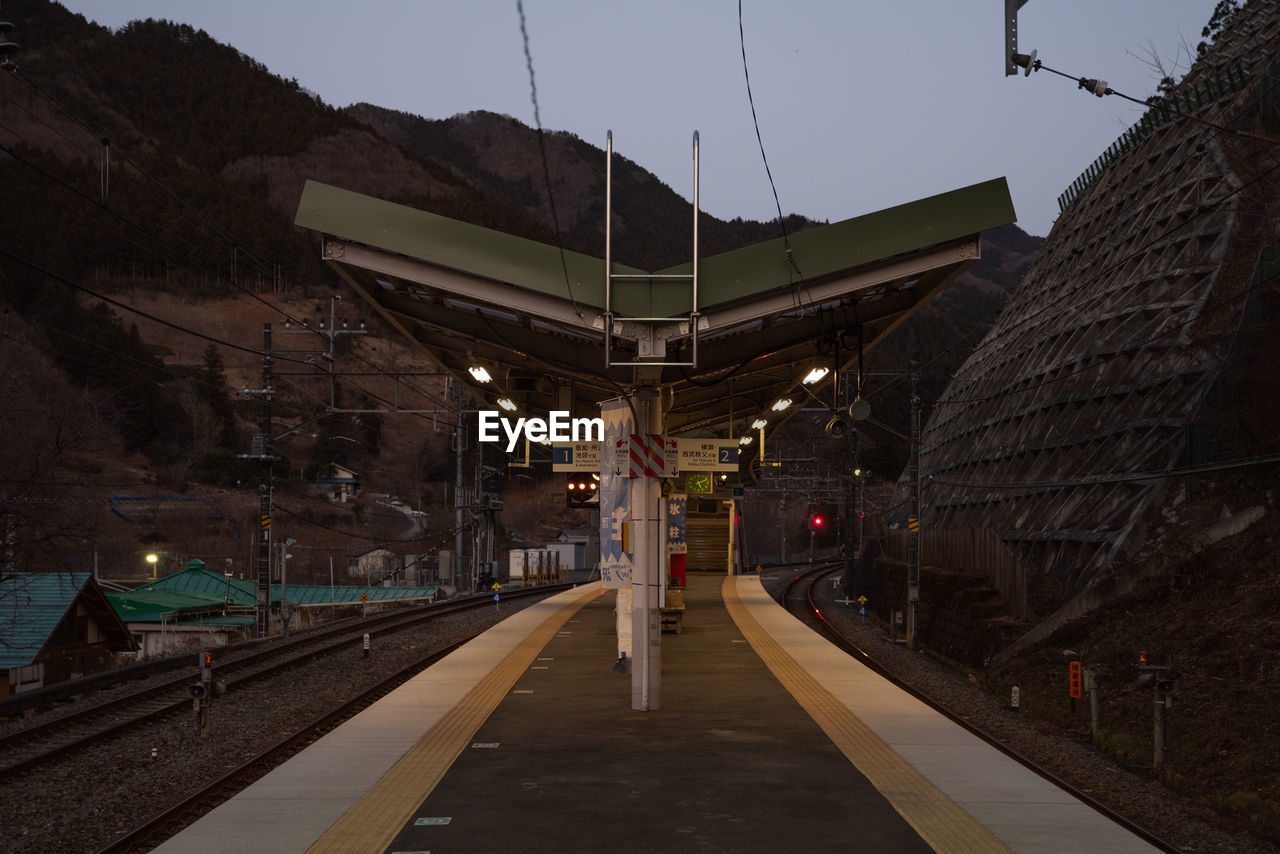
(203, 692)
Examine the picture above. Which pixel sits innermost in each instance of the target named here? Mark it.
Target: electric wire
(1119, 477)
(119, 217)
(1088, 84)
(546, 167)
(782, 223)
(117, 304)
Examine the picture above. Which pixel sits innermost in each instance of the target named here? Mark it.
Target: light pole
(153, 559)
(284, 585)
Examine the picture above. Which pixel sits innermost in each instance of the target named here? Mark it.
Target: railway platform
(768, 739)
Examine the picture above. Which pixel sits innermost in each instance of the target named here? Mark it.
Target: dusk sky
(861, 105)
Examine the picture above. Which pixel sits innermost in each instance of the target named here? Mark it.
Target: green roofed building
(199, 607)
(55, 626)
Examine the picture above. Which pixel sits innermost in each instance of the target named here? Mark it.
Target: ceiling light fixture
(816, 374)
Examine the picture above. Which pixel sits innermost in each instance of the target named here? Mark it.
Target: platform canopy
(535, 317)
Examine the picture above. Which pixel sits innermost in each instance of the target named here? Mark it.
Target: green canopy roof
(468, 295)
(191, 596)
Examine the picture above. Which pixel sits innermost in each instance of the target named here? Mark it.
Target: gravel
(82, 802)
(1184, 824)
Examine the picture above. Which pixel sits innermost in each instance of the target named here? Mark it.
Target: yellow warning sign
(913, 523)
(266, 521)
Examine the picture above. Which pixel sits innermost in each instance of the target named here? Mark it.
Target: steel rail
(180, 813)
(170, 697)
(810, 613)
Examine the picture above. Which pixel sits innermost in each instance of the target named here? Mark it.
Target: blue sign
(561, 455)
(497, 597)
(677, 506)
(862, 611)
(727, 456)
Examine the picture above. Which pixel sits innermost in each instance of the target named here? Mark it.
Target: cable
(786, 241)
(234, 284)
(1100, 88)
(546, 167)
(444, 539)
(1128, 477)
(63, 280)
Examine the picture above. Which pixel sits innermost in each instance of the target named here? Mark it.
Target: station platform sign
(708, 454)
(575, 456)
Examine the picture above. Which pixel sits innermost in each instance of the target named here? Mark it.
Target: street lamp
(153, 559)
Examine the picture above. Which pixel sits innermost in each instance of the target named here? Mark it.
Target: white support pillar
(646, 579)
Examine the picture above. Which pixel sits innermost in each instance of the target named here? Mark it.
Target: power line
(542, 151)
(90, 292)
(1123, 477)
(786, 241)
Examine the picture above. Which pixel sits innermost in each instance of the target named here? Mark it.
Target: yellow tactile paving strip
(373, 822)
(941, 823)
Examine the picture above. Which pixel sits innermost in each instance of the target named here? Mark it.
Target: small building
(197, 608)
(55, 626)
(340, 484)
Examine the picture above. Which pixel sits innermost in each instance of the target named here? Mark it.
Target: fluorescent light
(815, 375)
(507, 404)
(480, 374)
(759, 424)
(781, 404)
(745, 440)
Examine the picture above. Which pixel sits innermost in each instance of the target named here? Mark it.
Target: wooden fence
(976, 552)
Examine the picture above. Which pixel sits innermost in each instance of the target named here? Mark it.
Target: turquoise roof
(197, 589)
(33, 603)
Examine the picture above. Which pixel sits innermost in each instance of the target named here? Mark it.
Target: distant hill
(161, 168)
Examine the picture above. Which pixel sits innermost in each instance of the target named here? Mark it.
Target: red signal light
(818, 521)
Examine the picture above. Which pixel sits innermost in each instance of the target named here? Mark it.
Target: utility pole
(261, 451)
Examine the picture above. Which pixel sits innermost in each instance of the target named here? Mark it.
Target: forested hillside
(151, 177)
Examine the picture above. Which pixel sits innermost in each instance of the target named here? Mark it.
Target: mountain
(151, 177)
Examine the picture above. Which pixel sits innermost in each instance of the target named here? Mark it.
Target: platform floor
(768, 739)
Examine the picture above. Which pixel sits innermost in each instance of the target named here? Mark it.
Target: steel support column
(646, 578)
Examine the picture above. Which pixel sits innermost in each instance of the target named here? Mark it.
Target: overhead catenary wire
(542, 152)
(120, 217)
(1077, 310)
(1100, 88)
(782, 222)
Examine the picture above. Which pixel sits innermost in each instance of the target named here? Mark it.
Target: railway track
(46, 741)
(182, 812)
(798, 598)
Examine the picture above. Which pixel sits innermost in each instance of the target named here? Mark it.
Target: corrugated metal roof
(198, 589)
(31, 606)
(729, 276)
